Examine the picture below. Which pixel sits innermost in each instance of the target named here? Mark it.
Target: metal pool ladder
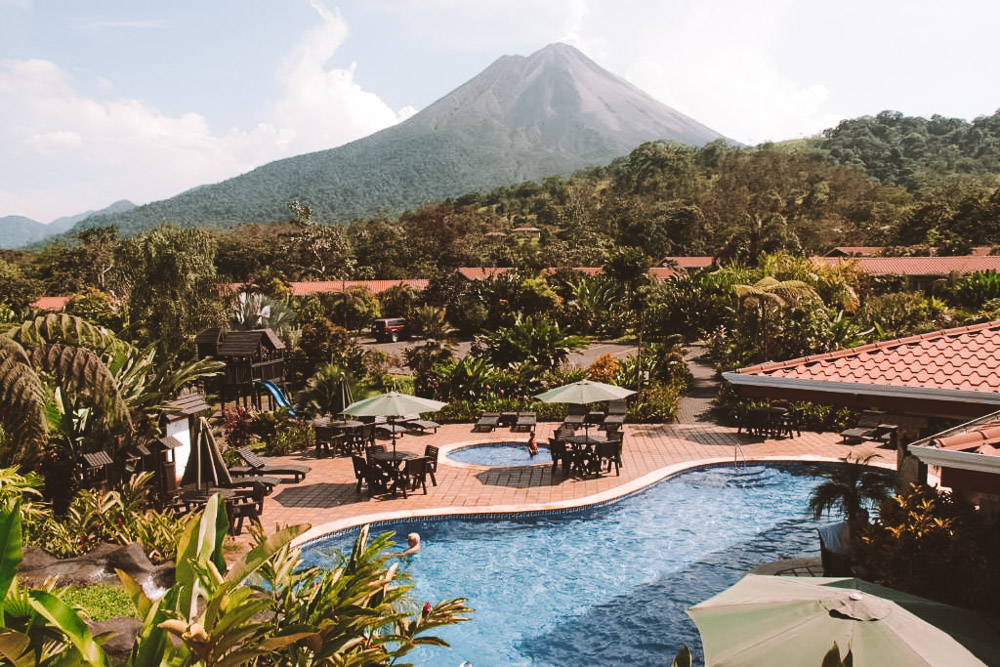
(739, 456)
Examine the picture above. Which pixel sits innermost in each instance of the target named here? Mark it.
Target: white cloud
(90, 152)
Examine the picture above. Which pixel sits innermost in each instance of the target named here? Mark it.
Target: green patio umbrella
(584, 391)
(392, 405)
(764, 620)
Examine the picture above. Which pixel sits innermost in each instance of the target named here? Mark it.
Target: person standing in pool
(413, 545)
(532, 444)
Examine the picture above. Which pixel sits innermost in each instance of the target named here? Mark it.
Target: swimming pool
(604, 585)
(500, 454)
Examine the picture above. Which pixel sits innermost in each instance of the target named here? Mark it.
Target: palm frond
(22, 394)
(62, 328)
(83, 372)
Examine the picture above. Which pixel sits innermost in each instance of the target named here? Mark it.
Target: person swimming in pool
(413, 545)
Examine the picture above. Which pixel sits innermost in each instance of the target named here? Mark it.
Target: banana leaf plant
(36, 626)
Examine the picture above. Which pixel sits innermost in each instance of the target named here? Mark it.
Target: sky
(106, 100)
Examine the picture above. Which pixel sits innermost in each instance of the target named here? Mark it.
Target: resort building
(922, 384)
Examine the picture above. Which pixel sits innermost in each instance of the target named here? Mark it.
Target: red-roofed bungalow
(51, 303)
(950, 373)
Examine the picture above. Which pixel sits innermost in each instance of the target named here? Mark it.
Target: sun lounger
(487, 422)
(262, 466)
(423, 424)
(525, 422)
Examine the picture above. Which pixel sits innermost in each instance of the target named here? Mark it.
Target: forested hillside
(909, 151)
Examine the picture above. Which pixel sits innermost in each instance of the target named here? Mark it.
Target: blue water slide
(279, 396)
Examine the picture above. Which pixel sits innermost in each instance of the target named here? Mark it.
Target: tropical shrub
(428, 322)
(604, 368)
(422, 359)
(534, 340)
(658, 403)
(239, 427)
(934, 544)
(282, 434)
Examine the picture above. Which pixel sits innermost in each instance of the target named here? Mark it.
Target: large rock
(96, 566)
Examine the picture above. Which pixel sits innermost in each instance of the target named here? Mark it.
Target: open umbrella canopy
(392, 404)
(764, 620)
(584, 391)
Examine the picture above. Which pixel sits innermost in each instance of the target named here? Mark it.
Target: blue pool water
(606, 585)
(500, 454)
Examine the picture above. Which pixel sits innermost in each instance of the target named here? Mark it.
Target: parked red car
(387, 329)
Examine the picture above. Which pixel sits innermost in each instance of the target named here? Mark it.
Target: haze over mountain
(523, 118)
(17, 231)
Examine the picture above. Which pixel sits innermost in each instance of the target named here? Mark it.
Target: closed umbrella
(764, 620)
(392, 405)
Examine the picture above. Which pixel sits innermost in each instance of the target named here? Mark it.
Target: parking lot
(579, 359)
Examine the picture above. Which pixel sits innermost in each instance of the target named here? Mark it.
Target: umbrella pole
(392, 431)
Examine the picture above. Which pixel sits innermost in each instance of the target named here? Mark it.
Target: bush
(934, 544)
(282, 434)
(604, 368)
(731, 408)
(658, 403)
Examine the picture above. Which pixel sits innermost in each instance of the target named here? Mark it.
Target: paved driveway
(580, 359)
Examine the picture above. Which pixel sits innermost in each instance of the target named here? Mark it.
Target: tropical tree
(168, 277)
(850, 489)
(767, 298)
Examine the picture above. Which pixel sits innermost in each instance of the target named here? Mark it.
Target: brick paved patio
(327, 499)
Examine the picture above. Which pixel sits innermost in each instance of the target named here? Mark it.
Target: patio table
(391, 463)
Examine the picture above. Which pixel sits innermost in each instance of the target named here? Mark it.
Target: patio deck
(327, 499)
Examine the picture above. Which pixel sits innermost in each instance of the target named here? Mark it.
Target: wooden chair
(414, 475)
(359, 470)
(557, 448)
(610, 452)
(431, 454)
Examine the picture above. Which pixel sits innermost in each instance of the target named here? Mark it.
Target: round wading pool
(500, 454)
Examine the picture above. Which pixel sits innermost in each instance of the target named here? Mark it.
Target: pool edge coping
(600, 498)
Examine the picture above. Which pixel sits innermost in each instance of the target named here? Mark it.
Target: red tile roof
(962, 359)
(692, 262)
(55, 303)
(480, 273)
(918, 266)
(855, 251)
(374, 286)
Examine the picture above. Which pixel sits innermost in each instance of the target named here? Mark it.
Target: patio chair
(487, 422)
(431, 454)
(610, 452)
(262, 466)
(328, 441)
(359, 470)
(238, 510)
(557, 448)
(378, 479)
(414, 475)
(868, 422)
(525, 422)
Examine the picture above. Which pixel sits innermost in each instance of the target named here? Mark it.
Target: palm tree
(850, 489)
(769, 293)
